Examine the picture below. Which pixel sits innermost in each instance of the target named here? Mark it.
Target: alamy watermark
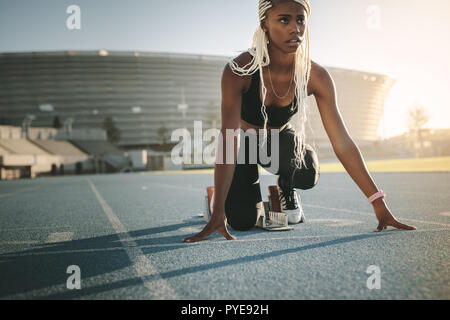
(374, 280)
(373, 21)
(73, 22)
(74, 280)
(220, 152)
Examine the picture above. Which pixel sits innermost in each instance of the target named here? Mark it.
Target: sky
(406, 39)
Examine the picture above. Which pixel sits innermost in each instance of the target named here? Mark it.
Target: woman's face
(285, 25)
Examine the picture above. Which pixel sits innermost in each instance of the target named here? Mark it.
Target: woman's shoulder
(243, 59)
(319, 78)
(318, 71)
(243, 82)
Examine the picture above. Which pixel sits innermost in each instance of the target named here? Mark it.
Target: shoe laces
(288, 198)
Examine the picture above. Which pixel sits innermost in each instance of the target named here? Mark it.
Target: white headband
(265, 5)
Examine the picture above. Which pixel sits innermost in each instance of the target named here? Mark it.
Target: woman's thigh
(300, 178)
(244, 200)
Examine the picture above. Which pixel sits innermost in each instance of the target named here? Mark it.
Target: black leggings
(244, 200)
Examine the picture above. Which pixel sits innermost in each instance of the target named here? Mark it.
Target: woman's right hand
(217, 223)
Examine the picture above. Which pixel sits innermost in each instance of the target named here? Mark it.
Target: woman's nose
(298, 29)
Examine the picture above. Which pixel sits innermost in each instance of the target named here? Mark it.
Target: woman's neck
(281, 62)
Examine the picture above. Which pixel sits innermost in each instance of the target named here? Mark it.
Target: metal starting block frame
(207, 214)
(271, 220)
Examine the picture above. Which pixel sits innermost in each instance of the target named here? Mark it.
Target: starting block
(271, 218)
(208, 203)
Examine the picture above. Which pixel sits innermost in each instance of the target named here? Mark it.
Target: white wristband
(375, 196)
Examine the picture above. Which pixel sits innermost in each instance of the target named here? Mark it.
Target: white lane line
(373, 214)
(59, 237)
(188, 188)
(159, 288)
(336, 222)
(17, 243)
(57, 252)
(4, 195)
(392, 191)
(51, 238)
(33, 228)
(216, 240)
(220, 240)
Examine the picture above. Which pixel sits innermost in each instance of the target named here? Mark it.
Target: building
(149, 95)
(46, 151)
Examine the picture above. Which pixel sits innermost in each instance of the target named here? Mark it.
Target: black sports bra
(251, 107)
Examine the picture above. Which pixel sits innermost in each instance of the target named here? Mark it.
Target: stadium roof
(149, 54)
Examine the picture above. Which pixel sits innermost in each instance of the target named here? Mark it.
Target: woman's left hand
(385, 218)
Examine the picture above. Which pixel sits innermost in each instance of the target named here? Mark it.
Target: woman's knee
(243, 222)
(242, 215)
(307, 177)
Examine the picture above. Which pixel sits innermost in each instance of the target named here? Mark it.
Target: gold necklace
(271, 84)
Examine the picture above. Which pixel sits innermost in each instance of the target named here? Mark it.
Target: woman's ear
(263, 25)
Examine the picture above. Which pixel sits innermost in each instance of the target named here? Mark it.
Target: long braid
(261, 58)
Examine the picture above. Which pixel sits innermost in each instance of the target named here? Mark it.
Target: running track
(124, 232)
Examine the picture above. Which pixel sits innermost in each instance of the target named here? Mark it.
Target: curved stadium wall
(142, 91)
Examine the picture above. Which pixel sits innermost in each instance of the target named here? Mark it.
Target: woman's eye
(286, 21)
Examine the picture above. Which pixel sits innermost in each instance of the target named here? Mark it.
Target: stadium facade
(151, 94)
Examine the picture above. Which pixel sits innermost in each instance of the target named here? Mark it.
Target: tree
(112, 132)
(162, 135)
(418, 117)
(5, 121)
(56, 122)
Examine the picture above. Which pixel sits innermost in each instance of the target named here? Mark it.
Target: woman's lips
(295, 43)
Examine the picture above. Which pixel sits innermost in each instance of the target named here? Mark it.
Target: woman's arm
(231, 120)
(232, 88)
(323, 88)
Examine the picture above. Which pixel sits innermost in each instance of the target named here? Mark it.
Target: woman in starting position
(279, 57)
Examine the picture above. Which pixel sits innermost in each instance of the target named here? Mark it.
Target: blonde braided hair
(261, 58)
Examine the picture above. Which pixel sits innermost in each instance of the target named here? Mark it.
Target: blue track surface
(124, 231)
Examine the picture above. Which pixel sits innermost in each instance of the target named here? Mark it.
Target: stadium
(150, 94)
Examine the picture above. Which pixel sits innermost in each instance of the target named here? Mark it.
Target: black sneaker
(290, 203)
